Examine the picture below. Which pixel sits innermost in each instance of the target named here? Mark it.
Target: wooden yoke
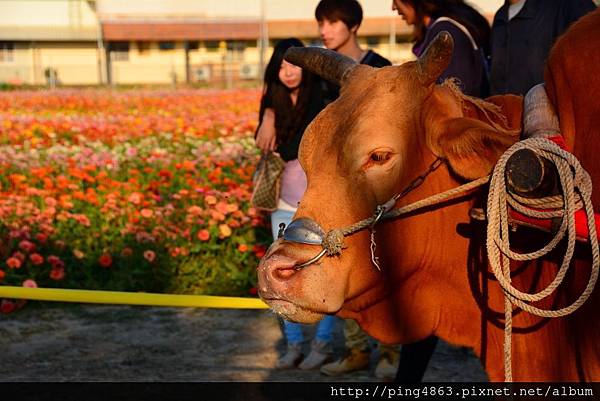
(527, 173)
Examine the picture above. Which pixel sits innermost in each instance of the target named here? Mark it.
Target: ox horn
(436, 58)
(328, 64)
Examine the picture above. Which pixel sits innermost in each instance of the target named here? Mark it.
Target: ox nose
(278, 268)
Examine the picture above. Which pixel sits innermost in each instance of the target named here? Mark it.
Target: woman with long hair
(469, 29)
(291, 100)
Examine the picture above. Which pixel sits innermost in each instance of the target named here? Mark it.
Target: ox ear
(472, 147)
(436, 58)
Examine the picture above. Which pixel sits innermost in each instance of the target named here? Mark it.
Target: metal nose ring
(304, 231)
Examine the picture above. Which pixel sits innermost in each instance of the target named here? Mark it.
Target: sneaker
(387, 365)
(320, 352)
(291, 357)
(355, 360)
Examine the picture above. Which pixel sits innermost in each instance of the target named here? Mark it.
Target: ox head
(386, 127)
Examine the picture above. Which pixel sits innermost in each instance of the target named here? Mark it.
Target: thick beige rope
(577, 188)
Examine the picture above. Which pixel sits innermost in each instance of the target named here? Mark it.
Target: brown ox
(385, 129)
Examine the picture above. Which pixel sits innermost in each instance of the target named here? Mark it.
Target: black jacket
(519, 47)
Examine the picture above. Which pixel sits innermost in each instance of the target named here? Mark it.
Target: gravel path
(53, 342)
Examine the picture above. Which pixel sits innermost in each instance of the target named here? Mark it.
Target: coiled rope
(576, 190)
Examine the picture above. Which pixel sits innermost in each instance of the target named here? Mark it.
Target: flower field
(129, 190)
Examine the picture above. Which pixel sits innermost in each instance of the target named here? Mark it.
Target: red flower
(55, 261)
(7, 306)
(41, 237)
(253, 291)
(2, 275)
(243, 248)
(57, 273)
(105, 260)
(259, 250)
(36, 259)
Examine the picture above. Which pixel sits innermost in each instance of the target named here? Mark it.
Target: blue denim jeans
(293, 331)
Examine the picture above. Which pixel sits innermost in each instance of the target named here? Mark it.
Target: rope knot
(333, 243)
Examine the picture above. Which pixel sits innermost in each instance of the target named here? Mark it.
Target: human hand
(265, 136)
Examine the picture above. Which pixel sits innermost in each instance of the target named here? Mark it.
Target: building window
(211, 45)
(372, 41)
(166, 45)
(193, 45)
(143, 47)
(119, 51)
(7, 52)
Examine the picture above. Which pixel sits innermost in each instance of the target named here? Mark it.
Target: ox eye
(380, 157)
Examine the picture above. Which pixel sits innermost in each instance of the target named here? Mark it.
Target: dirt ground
(57, 342)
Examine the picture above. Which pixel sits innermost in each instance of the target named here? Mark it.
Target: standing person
(338, 22)
(523, 32)
(470, 32)
(290, 101)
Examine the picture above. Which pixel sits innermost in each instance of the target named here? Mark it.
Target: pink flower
(146, 213)
(27, 246)
(149, 256)
(29, 283)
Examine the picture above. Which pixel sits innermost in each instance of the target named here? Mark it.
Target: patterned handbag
(267, 180)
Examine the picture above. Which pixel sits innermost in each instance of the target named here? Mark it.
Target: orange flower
(203, 235)
(224, 230)
(221, 207)
(147, 213)
(105, 260)
(232, 207)
(194, 210)
(188, 165)
(2, 274)
(13, 263)
(243, 248)
(126, 252)
(78, 254)
(210, 200)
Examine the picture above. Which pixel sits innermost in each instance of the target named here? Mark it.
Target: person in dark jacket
(523, 32)
(469, 29)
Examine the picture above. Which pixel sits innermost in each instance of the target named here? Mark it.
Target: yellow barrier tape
(130, 298)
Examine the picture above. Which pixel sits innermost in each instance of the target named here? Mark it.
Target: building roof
(235, 30)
